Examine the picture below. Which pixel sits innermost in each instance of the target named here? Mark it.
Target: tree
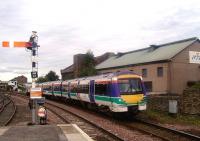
(41, 79)
(89, 65)
(51, 76)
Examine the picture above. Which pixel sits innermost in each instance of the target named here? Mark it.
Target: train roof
(86, 80)
(106, 76)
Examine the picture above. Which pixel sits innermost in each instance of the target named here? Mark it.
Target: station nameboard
(194, 57)
(36, 93)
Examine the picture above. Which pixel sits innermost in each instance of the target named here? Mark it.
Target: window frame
(160, 71)
(144, 72)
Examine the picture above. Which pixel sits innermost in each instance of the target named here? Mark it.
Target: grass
(164, 117)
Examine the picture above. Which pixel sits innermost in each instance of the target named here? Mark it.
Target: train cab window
(101, 89)
(130, 86)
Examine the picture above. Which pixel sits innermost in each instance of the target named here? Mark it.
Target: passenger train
(117, 92)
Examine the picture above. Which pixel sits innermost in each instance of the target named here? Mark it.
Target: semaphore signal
(17, 44)
(32, 45)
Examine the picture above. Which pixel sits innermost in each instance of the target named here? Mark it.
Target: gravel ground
(22, 115)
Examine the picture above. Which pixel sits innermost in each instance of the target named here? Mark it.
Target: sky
(69, 27)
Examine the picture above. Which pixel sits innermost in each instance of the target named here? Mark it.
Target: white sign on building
(194, 57)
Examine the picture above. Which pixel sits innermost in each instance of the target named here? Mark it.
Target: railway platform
(60, 132)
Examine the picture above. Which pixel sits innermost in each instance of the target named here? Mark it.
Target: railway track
(7, 111)
(121, 130)
(1, 101)
(93, 130)
(160, 131)
(109, 126)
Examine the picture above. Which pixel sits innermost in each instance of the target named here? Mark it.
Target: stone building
(165, 68)
(3, 85)
(73, 70)
(20, 79)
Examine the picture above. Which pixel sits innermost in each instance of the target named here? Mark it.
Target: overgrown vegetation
(196, 86)
(164, 117)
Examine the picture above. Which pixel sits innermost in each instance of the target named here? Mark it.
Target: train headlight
(114, 79)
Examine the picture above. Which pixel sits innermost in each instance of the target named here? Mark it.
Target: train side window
(86, 89)
(83, 89)
(65, 88)
(73, 88)
(101, 89)
(57, 88)
(49, 88)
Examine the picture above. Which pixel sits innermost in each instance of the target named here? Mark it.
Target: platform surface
(62, 132)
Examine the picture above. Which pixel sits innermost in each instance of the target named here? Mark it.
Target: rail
(86, 120)
(7, 101)
(181, 133)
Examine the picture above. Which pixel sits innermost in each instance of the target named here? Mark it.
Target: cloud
(16, 70)
(68, 27)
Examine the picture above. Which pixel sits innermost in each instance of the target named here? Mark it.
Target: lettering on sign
(34, 74)
(194, 57)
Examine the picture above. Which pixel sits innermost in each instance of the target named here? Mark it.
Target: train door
(91, 95)
(69, 89)
(52, 92)
(61, 89)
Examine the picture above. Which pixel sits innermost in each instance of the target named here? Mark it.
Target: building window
(144, 72)
(148, 86)
(160, 71)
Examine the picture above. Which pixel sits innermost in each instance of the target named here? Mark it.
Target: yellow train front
(127, 93)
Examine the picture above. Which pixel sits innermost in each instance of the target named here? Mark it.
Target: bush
(191, 83)
(196, 86)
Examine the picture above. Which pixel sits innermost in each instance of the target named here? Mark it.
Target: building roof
(68, 69)
(18, 77)
(151, 54)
